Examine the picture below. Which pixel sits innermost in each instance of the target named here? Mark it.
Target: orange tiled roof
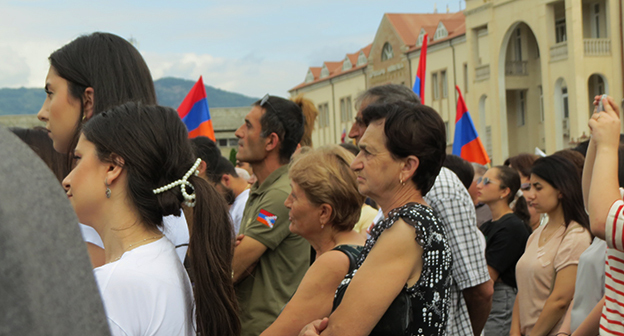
(316, 71)
(335, 68)
(353, 58)
(408, 27)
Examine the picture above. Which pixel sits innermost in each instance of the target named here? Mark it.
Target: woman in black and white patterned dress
(407, 255)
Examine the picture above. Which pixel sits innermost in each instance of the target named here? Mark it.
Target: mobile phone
(600, 106)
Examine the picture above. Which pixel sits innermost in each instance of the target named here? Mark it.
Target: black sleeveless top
(430, 296)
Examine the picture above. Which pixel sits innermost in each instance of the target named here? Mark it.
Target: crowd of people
(388, 237)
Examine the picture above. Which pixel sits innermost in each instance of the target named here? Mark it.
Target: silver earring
(108, 191)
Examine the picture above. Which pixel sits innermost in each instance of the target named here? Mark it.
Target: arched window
(386, 52)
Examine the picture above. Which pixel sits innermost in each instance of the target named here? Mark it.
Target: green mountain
(169, 91)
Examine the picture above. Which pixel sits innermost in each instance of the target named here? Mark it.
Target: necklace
(135, 244)
(544, 237)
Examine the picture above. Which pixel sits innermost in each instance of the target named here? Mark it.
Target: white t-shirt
(147, 292)
(174, 228)
(237, 208)
(89, 235)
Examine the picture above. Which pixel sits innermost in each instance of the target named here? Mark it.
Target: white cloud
(248, 75)
(14, 70)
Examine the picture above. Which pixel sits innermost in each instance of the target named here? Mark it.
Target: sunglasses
(486, 181)
(265, 100)
(525, 186)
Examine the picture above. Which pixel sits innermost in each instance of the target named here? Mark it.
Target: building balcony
(559, 51)
(597, 46)
(516, 68)
(482, 72)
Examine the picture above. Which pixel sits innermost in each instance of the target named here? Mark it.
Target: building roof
(408, 26)
(335, 68)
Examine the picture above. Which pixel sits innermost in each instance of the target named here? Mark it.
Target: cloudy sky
(244, 46)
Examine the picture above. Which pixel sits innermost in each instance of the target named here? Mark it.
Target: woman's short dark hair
(110, 65)
(151, 144)
(39, 141)
(284, 118)
(562, 175)
(412, 129)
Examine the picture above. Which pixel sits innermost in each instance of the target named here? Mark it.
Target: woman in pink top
(546, 272)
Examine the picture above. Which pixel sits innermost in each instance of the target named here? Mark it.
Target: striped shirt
(612, 320)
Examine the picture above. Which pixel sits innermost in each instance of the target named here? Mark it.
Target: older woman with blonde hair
(324, 206)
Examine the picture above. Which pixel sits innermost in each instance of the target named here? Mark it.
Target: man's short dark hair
(206, 150)
(462, 168)
(284, 118)
(388, 93)
(223, 166)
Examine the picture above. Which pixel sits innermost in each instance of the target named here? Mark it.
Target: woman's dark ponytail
(521, 210)
(210, 253)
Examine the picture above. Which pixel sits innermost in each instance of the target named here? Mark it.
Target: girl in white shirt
(134, 165)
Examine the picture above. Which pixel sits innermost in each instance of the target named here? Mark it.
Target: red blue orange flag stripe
(195, 113)
(419, 84)
(466, 143)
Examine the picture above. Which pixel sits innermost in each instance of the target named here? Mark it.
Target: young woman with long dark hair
(87, 76)
(506, 235)
(547, 269)
(134, 165)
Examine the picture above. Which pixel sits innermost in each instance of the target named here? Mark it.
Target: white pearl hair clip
(189, 199)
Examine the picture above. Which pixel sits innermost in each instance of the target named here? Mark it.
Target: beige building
(392, 57)
(536, 66)
(528, 69)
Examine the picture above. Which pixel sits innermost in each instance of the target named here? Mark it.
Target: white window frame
(309, 76)
(324, 71)
(440, 32)
(595, 20)
(565, 102)
(541, 97)
(435, 86)
(387, 52)
(521, 108)
(518, 45)
(444, 83)
(421, 37)
(346, 64)
(361, 59)
(560, 30)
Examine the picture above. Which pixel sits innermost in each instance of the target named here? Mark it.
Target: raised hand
(605, 126)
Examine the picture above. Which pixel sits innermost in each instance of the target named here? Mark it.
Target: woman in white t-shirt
(134, 165)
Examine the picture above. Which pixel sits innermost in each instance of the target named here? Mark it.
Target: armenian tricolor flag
(195, 114)
(419, 84)
(266, 218)
(466, 143)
